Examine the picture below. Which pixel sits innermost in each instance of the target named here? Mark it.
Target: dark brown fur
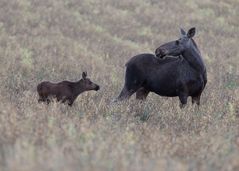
(65, 91)
(182, 76)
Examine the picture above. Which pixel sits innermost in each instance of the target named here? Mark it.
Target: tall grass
(57, 40)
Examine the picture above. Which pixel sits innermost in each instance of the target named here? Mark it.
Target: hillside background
(59, 39)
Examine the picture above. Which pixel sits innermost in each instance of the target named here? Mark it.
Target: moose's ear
(183, 33)
(191, 32)
(84, 75)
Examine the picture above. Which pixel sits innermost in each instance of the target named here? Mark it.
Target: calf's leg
(43, 98)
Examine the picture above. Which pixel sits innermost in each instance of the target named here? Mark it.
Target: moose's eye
(177, 42)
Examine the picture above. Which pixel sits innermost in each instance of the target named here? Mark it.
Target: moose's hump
(148, 59)
(145, 58)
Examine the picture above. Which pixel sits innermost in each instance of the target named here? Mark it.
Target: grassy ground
(57, 40)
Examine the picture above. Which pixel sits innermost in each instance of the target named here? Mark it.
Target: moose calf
(65, 91)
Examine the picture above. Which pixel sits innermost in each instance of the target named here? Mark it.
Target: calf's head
(177, 47)
(87, 84)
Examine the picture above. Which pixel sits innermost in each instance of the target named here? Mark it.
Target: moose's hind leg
(125, 94)
(127, 91)
(183, 99)
(142, 93)
(133, 82)
(196, 99)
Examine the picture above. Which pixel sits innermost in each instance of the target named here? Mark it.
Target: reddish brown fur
(65, 91)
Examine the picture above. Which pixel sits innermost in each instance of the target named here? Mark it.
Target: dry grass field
(58, 39)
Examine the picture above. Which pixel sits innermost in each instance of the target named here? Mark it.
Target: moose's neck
(78, 88)
(192, 55)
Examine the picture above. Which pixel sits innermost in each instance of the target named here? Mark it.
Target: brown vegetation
(54, 40)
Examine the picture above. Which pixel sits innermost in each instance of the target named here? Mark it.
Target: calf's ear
(84, 75)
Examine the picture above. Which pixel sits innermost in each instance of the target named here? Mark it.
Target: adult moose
(65, 91)
(183, 76)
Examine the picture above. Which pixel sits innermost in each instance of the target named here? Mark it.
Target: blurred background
(58, 40)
